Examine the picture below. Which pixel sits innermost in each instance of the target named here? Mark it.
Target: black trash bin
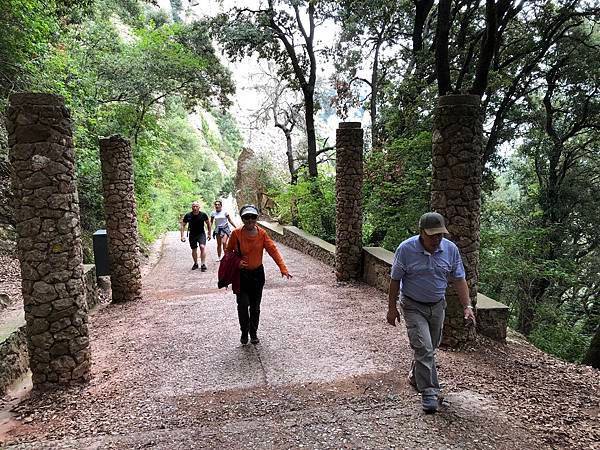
(100, 244)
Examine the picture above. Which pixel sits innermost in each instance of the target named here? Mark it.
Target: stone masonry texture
(456, 193)
(121, 219)
(49, 238)
(348, 195)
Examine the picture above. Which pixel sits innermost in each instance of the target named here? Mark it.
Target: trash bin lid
(99, 232)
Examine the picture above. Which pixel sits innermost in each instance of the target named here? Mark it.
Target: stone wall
(296, 238)
(377, 262)
(492, 316)
(14, 358)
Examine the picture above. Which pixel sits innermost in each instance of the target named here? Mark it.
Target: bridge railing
(492, 316)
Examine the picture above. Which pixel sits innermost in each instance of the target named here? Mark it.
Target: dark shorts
(197, 239)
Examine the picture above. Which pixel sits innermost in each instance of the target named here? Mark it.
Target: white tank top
(220, 218)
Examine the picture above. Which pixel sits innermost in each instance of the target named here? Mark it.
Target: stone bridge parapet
(492, 316)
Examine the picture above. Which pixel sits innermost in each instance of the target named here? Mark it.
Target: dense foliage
(534, 64)
(124, 68)
(315, 214)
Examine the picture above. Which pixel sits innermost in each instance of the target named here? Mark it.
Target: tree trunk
(374, 94)
(290, 158)
(309, 115)
(442, 63)
(592, 357)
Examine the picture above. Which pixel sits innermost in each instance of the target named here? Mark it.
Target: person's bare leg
(195, 255)
(219, 246)
(203, 254)
(224, 240)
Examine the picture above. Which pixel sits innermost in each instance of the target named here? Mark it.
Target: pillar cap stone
(344, 125)
(459, 99)
(36, 98)
(113, 138)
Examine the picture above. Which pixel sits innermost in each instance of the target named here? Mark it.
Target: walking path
(169, 372)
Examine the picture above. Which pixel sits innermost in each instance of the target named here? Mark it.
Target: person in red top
(252, 241)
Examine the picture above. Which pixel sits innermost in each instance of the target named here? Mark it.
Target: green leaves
(27, 28)
(397, 190)
(309, 204)
(124, 72)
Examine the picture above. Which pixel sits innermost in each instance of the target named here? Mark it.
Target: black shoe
(195, 266)
(254, 339)
(202, 268)
(244, 338)
(430, 403)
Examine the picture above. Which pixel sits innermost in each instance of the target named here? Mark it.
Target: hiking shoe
(430, 403)
(254, 339)
(244, 338)
(195, 266)
(202, 268)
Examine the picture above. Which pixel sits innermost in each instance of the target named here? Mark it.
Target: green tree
(563, 147)
(371, 38)
(397, 190)
(141, 80)
(282, 31)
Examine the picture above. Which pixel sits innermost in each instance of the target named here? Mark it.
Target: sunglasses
(249, 217)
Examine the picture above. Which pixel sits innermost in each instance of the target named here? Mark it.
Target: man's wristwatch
(468, 307)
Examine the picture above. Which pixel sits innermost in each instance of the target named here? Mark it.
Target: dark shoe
(244, 338)
(203, 268)
(430, 403)
(195, 266)
(254, 339)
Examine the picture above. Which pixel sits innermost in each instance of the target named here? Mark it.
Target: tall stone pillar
(121, 220)
(348, 195)
(49, 238)
(456, 194)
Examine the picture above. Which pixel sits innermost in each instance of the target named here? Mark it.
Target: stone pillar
(348, 195)
(121, 221)
(456, 194)
(49, 238)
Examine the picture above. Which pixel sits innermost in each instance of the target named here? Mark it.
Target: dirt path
(169, 372)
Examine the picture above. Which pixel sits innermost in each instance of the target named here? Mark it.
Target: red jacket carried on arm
(229, 271)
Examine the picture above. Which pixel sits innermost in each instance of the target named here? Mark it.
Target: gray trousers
(424, 325)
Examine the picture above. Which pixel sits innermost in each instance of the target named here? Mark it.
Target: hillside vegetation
(126, 68)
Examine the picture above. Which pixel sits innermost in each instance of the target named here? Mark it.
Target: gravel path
(169, 372)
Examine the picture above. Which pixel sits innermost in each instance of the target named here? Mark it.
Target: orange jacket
(252, 248)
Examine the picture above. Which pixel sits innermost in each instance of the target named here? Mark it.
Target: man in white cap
(423, 265)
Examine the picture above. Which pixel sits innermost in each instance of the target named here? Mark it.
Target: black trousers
(248, 300)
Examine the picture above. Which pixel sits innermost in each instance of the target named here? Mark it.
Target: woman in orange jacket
(252, 241)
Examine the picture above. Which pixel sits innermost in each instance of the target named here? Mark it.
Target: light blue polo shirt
(424, 276)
